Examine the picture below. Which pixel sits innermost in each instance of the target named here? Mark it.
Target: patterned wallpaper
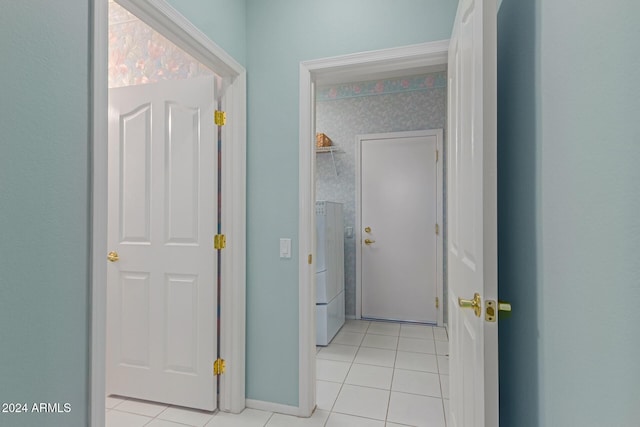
(139, 55)
(342, 116)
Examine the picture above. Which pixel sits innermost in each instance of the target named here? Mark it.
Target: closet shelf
(330, 149)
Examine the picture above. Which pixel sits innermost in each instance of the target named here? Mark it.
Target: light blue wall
(223, 21)
(569, 229)
(44, 187)
(590, 169)
(280, 34)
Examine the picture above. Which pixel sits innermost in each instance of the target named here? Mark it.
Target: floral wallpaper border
(382, 87)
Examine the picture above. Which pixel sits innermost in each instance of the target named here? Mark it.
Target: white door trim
(358, 235)
(167, 21)
(337, 69)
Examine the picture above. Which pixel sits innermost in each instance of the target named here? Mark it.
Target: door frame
(167, 21)
(353, 67)
(439, 213)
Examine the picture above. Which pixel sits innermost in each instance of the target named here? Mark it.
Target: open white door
(472, 216)
(161, 299)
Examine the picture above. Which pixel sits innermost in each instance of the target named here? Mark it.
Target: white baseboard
(273, 407)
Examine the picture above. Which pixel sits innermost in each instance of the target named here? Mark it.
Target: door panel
(181, 341)
(399, 204)
(134, 170)
(161, 331)
(182, 172)
(134, 322)
(472, 214)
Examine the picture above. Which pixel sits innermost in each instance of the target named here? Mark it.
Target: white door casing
(398, 185)
(161, 299)
(472, 214)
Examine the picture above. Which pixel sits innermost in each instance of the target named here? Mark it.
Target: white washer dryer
(329, 271)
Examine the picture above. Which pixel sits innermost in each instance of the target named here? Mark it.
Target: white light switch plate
(285, 248)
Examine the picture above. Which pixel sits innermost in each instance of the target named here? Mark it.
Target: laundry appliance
(329, 271)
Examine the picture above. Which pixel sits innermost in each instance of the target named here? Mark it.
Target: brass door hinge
(219, 366)
(220, 118)
(219, 241)
(310, 259)
(437, 230)
(437, 302)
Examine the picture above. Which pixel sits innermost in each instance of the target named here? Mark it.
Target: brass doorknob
(367, 229)
(113, 256)
(368, 241)
(475, 303)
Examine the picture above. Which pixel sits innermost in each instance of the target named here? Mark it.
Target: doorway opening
(388, 63)
(163, 19)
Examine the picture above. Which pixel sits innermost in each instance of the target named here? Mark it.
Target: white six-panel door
(399, 211)
(472, 215)
(161, 304)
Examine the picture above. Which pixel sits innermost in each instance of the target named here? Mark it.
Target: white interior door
(472, 215)
(399, 212)
(161, 298)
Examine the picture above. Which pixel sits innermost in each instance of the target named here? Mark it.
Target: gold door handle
(113, 256)
(368, 241)
(475, 303)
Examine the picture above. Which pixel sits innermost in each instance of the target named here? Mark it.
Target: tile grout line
(393, 374)
(268, 419)
(441, 392)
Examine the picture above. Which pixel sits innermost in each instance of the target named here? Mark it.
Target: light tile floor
(373, 374)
